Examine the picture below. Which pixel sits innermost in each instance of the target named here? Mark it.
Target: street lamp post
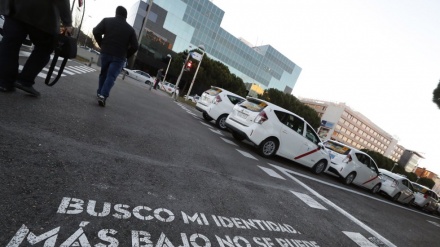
(395, 164)
(166, 72)
(201, 47)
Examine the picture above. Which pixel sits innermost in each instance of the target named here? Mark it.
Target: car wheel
(410, 203)
(396, 197)
(221, 122)
(268, 147)
(207, 117)
(319, 167)
(375, 189)
(350, 178)
(237, 136)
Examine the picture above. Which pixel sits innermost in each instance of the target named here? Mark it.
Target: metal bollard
(90, 62)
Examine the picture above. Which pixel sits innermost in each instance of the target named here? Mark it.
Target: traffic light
(188, 65)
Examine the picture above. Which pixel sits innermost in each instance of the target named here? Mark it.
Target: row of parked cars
(276, 131)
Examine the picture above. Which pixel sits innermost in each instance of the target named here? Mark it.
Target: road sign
(196, 56)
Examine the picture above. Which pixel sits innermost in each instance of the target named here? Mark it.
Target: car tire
(349, 178)
(396, 197)
(319, 167)
(237, 137)
(376, 188)
(410, 203)
(268, 147)
(207, 117)
(221, 122)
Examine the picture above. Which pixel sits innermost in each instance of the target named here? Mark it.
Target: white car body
(425, 198)
(168, 87)
(397, 187)
(216, 104)
(194, 98)
(139, 75)
(353, 165)
(277, 131)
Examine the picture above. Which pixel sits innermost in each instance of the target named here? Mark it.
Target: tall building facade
(177, 25)
(341, 123)
(410, 160)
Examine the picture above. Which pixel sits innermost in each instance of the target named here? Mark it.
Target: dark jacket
(42, 14)
(119, 37)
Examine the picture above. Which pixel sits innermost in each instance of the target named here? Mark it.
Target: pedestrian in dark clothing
(118, 44)
(159, 77)
(41, 21)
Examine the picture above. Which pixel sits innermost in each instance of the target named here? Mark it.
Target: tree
(436, 95)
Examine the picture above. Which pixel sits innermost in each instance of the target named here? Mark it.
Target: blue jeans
(111, 66)
(15, 33)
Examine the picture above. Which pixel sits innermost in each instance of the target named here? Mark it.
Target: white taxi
(216, 104)
(398, 188)
(277, 131)
(354, 166)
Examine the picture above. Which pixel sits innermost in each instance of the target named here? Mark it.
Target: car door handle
(285, 132)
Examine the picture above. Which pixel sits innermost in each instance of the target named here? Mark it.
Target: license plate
(242, 115)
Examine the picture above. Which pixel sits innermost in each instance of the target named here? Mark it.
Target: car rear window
(420, 189)
(213, 91)
(338, 148)
(253, 105)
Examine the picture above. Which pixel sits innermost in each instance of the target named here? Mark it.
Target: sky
(380, 57)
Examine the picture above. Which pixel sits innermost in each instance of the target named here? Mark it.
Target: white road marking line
(271, 172)
(308, 200)
(228, 141)
(207, 125)
(192, 113)
(246, 154)
(72, 68)
(337, 208)
(434, 223)
(216, 131)
(359, 239)
(55, 72)
(81, 68)
(65, 71)
(42, 75)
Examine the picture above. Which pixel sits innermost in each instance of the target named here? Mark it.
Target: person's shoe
(28, 89)
(101, 100)
(5, 89)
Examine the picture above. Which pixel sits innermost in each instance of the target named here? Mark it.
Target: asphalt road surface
(149, 171)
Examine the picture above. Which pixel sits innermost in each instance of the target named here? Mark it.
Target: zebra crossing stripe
(65, 71)
(246, 154)
(82, 69)
(359, 239)
(228, 141)
(309, 200)
(271, 173)
(42, 75)
(54, 71)
(71, 68)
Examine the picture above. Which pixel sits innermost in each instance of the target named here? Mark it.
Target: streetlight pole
(395, 164)
(174, 95)
(166, 71)
(201, 47)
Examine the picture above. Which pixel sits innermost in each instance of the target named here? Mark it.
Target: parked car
(193, 98)
(425, 198)
(398, 188)
(353, 166)
(139, 75)
(168, 87)
(277, 131)
(216, 104)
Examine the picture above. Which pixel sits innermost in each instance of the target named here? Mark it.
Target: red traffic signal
(188, 65)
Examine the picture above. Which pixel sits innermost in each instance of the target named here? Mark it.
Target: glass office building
(177, 25)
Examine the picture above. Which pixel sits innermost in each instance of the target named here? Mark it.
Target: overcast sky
(380, 57)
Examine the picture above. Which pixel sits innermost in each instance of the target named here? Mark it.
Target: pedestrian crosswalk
(68, 70)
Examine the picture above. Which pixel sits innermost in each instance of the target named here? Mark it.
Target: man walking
(41, 21)
(118, 44)
(159, 77)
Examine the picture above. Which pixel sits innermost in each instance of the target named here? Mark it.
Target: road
(149, 171)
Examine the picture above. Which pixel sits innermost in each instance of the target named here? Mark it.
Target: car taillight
(425, 196)
(217, 99)
(261, 118)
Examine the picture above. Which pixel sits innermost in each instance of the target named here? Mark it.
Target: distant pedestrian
(40, 20)
(159, 77)
(118, 44)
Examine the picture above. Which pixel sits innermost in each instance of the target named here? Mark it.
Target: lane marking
(246, 154)
(228, 141)
(336, 207)
(55, 72)
(309, 200)
(271, 172)
(216, 131)
(207, 125)
(434, 223)
(64, 71)
(359, 239)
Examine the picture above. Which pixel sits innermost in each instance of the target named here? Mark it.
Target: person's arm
(65, 15)
(133, 45)
(98, 31)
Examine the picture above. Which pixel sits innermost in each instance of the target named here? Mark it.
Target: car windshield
(338, 148)
(253, 105)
